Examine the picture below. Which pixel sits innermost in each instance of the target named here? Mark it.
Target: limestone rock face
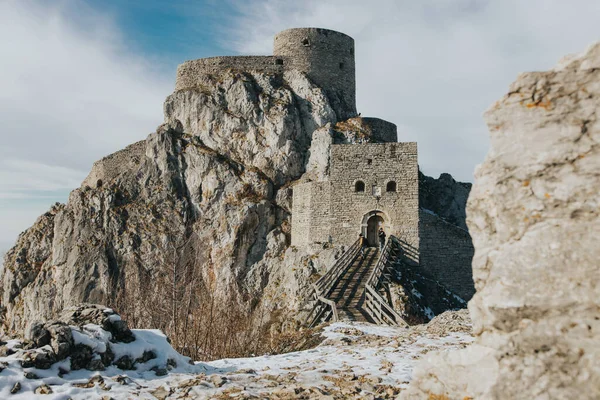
(185, 201)
(446, 197)
(533, 214)
(260, 120)
(200, 202)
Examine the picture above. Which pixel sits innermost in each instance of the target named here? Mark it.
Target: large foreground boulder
(533, 214)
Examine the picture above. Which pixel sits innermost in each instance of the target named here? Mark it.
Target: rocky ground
(95, 355)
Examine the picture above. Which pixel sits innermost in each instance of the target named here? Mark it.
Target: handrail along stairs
(325, 309)
(378, 308)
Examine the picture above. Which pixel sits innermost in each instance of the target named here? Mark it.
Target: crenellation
(191, 73)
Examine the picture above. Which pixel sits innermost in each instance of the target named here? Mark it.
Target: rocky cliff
(445, 197)
(198, 206)
(194, 220)
(195, 216)
(533, 215)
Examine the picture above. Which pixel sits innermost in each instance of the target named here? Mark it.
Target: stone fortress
(372, 181)
(371, 184)
(325, 56)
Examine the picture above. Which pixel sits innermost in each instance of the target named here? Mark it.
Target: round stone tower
(327, 57)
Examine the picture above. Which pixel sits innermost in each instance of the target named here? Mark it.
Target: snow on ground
(354, 361)
(68, 386)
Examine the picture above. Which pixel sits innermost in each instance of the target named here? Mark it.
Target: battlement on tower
(191, 73)
(325, 56)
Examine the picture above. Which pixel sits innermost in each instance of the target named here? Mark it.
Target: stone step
(349, 289)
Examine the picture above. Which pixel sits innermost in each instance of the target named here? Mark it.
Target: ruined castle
(371, 183)
(326, 57)
(262, 172)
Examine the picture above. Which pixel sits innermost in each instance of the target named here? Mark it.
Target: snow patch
(92, 336)
(384, 353)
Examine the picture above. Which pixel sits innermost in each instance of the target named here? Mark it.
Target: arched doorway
(370, 224)
(373, 225)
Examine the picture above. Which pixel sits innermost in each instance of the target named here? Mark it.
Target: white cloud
(434, 66)
(71, 94)
(18, 176)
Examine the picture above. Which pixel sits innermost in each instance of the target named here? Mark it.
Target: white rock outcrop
(533, 214)
(260, 120)
(199, 210)
(197, 202)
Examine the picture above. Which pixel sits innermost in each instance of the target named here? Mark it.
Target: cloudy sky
(80, 79)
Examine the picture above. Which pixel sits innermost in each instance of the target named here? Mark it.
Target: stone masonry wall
(446, 253)
(375, 165)
(112, 165)
(191, 73)
(310, 219)
(320, 215)
(327, 57)
(301, 215)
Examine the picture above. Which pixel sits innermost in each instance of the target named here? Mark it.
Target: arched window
(359, 186)
(391, 186)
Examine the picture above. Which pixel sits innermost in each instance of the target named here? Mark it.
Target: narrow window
(369, 161)
(391, 186)
(279, 61)
(341, 65)
(359, 186)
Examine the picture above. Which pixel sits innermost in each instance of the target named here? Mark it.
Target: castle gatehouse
(370, 185)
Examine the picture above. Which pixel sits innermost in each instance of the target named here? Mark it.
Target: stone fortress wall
(332, 211)
(325, 56)
(190, 73)
(337, 213)
(311, 217)
(375, 165)
(109, 167)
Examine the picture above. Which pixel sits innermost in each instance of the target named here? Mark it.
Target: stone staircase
(349, 289)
